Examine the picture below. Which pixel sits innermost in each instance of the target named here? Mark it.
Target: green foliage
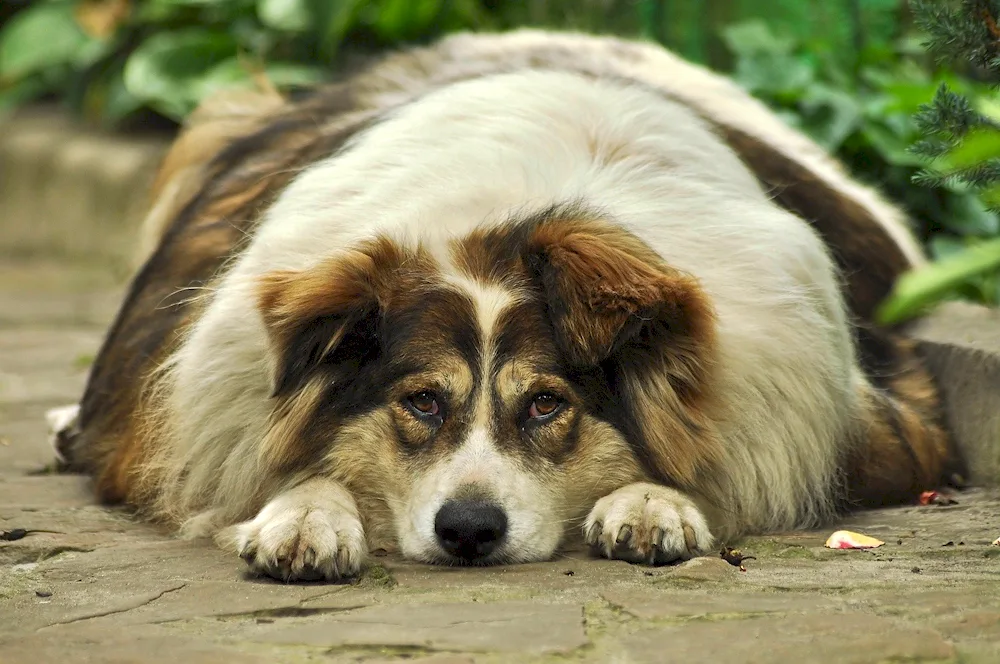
(869, 118)
(960, 148)
(960, 30)
(111, 58)
(919, 289)
(47, 36)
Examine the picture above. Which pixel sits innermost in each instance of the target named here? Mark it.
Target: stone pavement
(89, 584)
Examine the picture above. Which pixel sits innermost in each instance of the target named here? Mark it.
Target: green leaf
(166, 71)
(193, 12)
(991, 197)
(917, 290)
(894, 148)
(119, 103)
(399, 20)
(42, 36)
(336, 18)
(908, 97)
(287, 15)
(832, 114)
(779, 76)
(464, 14)
(945, 246)
(989, 106)
(977, 146)
(966, 215)
(755, 37)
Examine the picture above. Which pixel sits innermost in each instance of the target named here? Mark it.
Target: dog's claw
(248, 553)
(594, 532)
(648, 524)
(690, 539)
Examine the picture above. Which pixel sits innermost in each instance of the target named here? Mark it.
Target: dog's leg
(903, 448)
(647, 523)
(310, 532)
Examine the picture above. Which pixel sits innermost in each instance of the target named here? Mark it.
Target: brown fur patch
(604, 284)
(905, 449)
(311, 313)
(358, 278)
(613, 299)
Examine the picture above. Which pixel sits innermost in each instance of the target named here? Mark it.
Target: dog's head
(478, 400)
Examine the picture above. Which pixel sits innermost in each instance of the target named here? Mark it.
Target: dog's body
(493, 288)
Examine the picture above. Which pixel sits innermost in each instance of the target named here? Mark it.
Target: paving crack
(327, 593)
(290, 612)
(111, 612)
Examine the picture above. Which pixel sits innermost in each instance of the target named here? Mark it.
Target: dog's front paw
(647, 523)
(304, 535)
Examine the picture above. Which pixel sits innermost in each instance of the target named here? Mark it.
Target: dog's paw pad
(646, 523)
(302, 544)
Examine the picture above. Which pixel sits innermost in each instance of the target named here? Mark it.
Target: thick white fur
(711, 94)
(483, 151)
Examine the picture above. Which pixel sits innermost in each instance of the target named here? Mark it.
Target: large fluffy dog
(491, 294)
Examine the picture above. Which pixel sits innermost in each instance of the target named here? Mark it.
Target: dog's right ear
(328, 314)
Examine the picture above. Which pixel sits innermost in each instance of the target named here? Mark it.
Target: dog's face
(478, 403)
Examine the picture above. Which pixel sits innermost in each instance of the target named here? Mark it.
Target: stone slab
(73, 192)
(846, 638)
(523, 627)
(961, 345)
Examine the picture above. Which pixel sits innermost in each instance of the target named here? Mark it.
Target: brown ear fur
(613, 301)
(328, 314)
(604, 285)
(324, 312)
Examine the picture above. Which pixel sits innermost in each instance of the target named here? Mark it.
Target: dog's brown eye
(424, 403)
(544, 405)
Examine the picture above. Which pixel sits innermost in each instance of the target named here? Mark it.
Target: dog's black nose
(470, 529)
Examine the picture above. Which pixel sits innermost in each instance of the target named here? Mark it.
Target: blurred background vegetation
(856, 75)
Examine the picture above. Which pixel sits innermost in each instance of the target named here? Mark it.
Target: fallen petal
(936, 498)
(845, 539)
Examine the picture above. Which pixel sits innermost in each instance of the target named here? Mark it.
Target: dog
(486, 297)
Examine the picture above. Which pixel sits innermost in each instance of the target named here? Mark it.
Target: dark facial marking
(419, 327)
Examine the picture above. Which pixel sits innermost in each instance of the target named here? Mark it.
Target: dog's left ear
(328, 314)
(606, 289)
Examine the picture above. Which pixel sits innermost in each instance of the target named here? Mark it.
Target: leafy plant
(961, 147)
(870, 117)
(110, 58)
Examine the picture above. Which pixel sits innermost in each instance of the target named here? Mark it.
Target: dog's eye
(424, 403)
(544, 405)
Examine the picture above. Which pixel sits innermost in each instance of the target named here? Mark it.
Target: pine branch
(966, 30)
